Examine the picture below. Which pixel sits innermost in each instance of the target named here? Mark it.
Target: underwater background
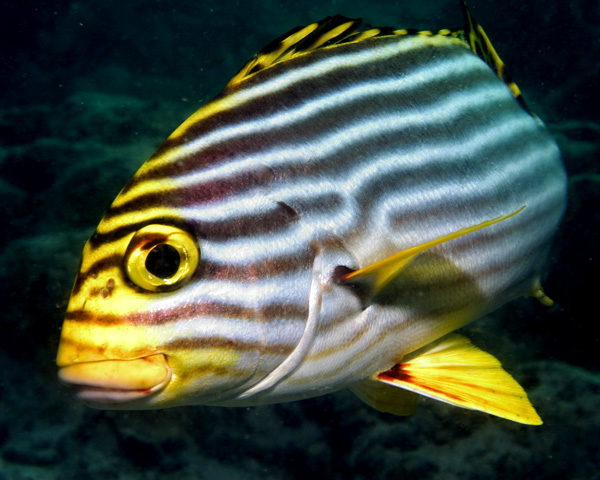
(91, 89)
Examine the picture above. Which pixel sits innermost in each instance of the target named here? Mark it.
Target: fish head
(145, 327)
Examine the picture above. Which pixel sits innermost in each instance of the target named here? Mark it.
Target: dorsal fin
(330, 31)
(338, 29)
(482, 47)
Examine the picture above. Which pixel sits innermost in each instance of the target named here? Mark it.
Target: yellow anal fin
(386, 398)
(379, 274)
(482, 47)
(455, 371)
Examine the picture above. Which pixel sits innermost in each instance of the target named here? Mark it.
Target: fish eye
(161, 258)
(163, 261)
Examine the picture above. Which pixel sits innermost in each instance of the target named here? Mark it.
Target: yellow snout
(117, 381)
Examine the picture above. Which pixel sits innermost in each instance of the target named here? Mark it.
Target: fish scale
(289, 207)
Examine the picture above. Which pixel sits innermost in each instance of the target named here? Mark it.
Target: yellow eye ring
(161, 257)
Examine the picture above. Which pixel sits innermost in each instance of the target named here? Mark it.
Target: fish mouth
(113, 382)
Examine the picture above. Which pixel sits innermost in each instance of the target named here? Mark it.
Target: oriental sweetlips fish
(352, 197)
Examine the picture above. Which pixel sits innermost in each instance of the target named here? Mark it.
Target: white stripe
(349, 61)
(446, 110)
(419, 79)
(285, 289)
(419, 157)
(234, 329)
(294, 237)
(428, 197)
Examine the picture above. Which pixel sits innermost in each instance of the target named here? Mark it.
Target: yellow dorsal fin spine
(273, 52)
(455, 371)
(379, 274)
(480, 44)
(338, 29)
(330, 31)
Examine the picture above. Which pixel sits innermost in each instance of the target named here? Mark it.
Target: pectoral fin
(455, 371)
(379, 274)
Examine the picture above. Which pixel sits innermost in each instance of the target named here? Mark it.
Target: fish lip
(98, 383)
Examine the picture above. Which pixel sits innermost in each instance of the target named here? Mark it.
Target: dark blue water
(90, 89)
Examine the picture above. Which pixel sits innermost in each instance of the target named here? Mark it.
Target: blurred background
(91, 89)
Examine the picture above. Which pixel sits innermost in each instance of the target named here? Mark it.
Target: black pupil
(163, 261)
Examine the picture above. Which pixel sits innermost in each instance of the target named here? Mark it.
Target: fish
(353, 197)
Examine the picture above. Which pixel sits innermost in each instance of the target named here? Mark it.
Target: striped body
(339, 157)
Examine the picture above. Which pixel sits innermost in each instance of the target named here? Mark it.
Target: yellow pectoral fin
(381, 273)
(455, 371)
(385, 398)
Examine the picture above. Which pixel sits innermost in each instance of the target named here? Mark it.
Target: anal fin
(386, 398)
(455, 371)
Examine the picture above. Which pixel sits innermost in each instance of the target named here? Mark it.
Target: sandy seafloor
(90, 89)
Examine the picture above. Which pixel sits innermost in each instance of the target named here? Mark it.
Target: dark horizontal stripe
(346, 157)
(270, 312)
(210, 270)
(314, 130)
(285, 213)
(226, 343)
(201, 371)
(260, 269)
(204, 193)
(460, 169)
(184, 344)
(98, 239)
(277, 219)
(485, 201)
(101, 350)
(518, 228)
(303, 92)
(96, 268)
(207, 271)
